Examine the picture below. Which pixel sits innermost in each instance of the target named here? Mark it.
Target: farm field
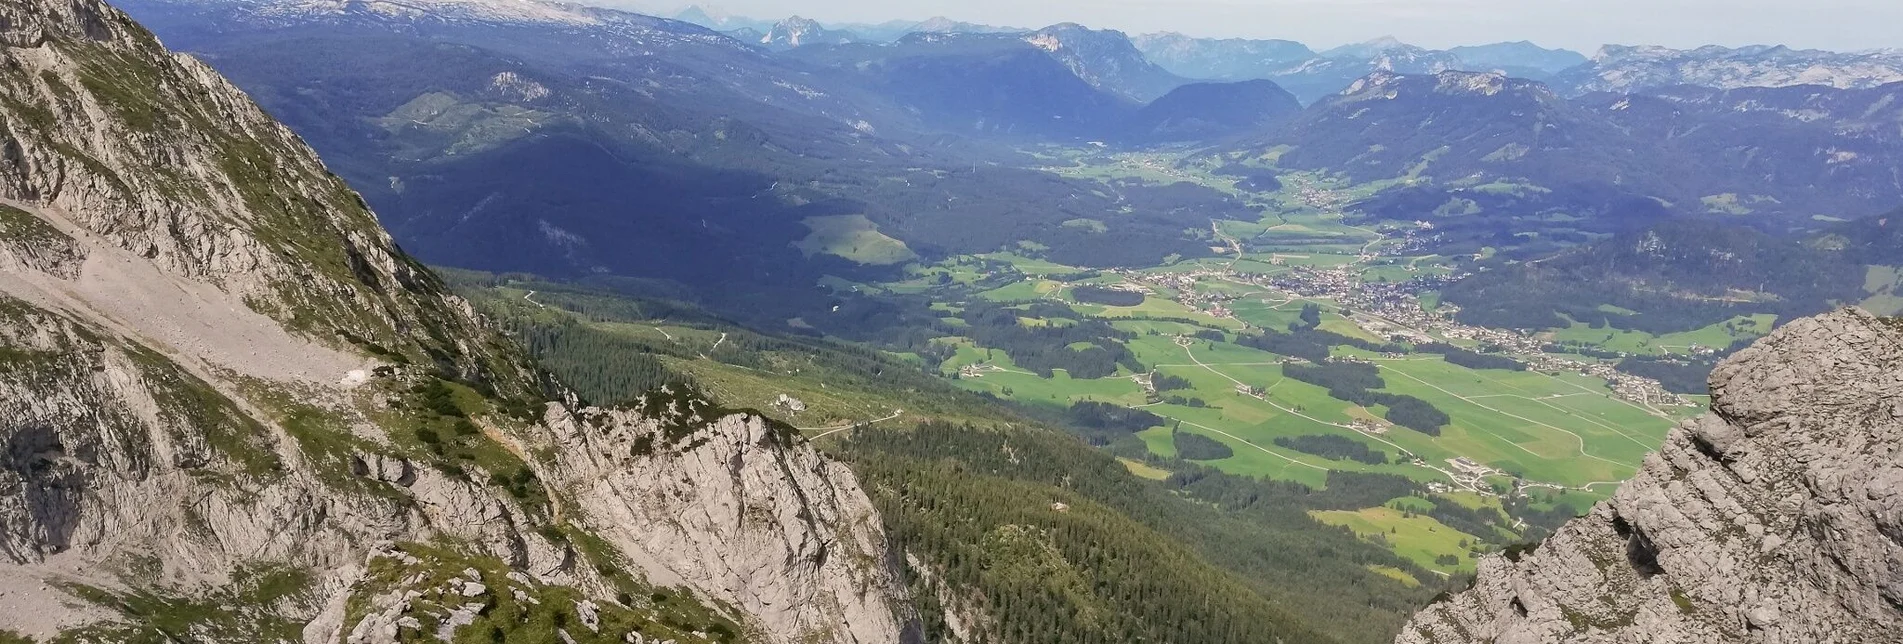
(1562, 430)
(1189, 345)
(1559, 430)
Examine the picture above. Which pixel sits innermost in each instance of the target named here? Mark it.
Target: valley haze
(1583, 26)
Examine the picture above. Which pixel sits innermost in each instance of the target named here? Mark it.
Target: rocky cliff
(1777, 518)
(232, 410)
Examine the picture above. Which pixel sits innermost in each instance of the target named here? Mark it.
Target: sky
(1581, 25)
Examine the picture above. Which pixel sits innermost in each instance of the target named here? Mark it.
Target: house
(790, 403)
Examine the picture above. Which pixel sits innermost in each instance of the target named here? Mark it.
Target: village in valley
(1393, 310)
(1305, 343)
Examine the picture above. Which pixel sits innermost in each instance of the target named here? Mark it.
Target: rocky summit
(232, 410)
(1777, 518)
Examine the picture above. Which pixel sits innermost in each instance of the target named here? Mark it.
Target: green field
(1885, 285)
(1563, 430)
(1559, 429)
(1419, 538)
(1024, 291)
(1144, 470)
(853, 237)
(1565, 434)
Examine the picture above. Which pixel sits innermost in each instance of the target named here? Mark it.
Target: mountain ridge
(1106, 59)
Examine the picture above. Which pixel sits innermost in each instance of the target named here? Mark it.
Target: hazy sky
(1575, 24)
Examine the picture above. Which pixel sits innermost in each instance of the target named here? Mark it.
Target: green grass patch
(1144, 470)
(238, 611)
(1885, 286)
(1396, 574)
(1419, 538)
(27, 231)
(1029, 266)
(852, 237)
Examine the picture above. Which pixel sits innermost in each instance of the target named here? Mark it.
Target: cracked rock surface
(1777, 518)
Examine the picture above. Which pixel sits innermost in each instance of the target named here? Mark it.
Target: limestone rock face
(210, 364)
(1777, 518)
(734, 508)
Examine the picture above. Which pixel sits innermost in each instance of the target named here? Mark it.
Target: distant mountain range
(882, 32)
(1228, 59)
(1632, 69)
(582, 141)
(1614, 69)
(1798, 152)
(1312, 75)
(1521, 58)
(568, 140)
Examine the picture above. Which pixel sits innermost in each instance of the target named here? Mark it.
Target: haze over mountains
(1311, 74)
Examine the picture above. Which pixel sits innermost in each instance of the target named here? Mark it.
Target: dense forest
(1102, 423)
(1164, 382)
(1340, 448)
(561, 329)
(1677, 276)
(1678, 375)
(1106, 296)
(1007, 480)
(1088, 349)
(1304, 340)
(1471, 359)
(1197, 447)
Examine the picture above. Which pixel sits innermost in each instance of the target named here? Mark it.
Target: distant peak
(1377, 79)
(1481, 83)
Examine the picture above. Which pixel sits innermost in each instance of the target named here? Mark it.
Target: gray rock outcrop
(1777, 518)
(735, 509)
(210, 359)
